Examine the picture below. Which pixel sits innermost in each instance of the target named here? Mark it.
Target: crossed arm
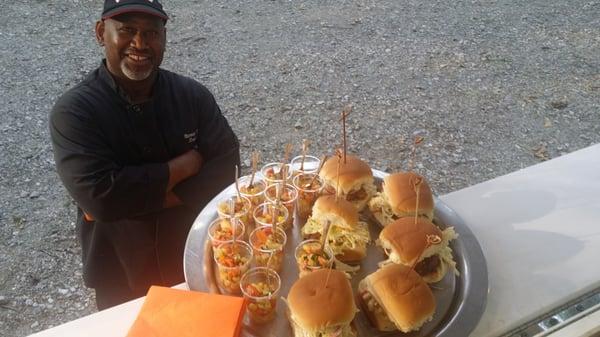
(107, 190)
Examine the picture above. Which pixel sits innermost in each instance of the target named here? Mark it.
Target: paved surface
(493, 86)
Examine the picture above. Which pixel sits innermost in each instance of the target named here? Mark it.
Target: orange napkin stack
(179, 313)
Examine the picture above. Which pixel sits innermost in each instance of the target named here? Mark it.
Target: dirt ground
(492, 86)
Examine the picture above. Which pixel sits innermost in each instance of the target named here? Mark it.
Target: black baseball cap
(117, 7)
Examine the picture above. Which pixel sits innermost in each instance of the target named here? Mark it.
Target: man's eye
(127, 30)
(152, 34)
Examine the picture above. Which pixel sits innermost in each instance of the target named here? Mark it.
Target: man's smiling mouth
(138, 58)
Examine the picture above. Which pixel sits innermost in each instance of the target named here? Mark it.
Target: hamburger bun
(348, 236)
(314, 306)
(401, 294)
(406, 242)
(340, 211)
(400, 190)
(355, 179)
(398, 198)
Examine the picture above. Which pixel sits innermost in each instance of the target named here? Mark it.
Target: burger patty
(357, 195)
(371, 302)
(428, 265)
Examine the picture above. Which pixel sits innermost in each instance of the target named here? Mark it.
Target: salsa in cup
(260, 287)
(272, 173)
(268, 246)
(242, 209)
(309, 186)
(311, 164)
(254, 193)
(233, 260)
(221, 230)
(289, 194)
(310, 256)
(263, 215)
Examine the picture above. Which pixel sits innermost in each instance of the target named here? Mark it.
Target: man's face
(134, 44)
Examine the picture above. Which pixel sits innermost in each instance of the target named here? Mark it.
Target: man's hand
(183, 167)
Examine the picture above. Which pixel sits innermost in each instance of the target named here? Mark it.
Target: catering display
(403, 240)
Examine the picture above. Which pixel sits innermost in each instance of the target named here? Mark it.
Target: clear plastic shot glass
(309, 165)
(309, 187)
(233, 259)
(268, 247)
(256, 192)
(260, 287)
(221, 230)
(311, 256)
(272, 173)
(263, 215)
(288, 194)
(242, 208)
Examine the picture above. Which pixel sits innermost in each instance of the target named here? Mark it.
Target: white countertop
(539, 229)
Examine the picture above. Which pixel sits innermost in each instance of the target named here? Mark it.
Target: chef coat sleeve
(219, 147)
(101, 186)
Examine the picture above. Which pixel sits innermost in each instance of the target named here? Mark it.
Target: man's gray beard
(135, 76)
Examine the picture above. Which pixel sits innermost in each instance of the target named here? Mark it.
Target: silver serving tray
(460, 299)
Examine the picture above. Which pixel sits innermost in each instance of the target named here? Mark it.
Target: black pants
(115, 292)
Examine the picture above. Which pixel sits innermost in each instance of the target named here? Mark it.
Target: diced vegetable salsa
(223, 231)
(310, 256)
(261, 306)
(268, 247)
(232, 262)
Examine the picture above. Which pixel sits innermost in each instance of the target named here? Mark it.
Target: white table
(539, 229)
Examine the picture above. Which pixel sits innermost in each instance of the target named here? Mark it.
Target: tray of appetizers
(459, 296)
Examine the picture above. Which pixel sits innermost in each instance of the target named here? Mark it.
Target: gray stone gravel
(493, 86)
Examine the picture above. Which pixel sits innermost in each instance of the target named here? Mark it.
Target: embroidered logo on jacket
(191, 137)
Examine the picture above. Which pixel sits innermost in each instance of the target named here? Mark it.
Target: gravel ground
(493, 86)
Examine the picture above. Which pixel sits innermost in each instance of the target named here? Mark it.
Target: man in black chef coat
(141, 150)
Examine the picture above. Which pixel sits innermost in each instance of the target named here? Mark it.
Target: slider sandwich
(421, 244)
(399, 198)
(356, 182)
(396, 297)
(321, 304)
(348, 237)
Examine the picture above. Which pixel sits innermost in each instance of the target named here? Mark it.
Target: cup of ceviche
(242, 209)
(255, 192)
(221, 230)
(263, 215)
(308, 164)
(268, 246)
(260, 287)
(288, 194)
(273, 173)
(311, 256)
(233, 260)
(309, 187)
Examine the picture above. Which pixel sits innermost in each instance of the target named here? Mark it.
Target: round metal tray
(460, 299)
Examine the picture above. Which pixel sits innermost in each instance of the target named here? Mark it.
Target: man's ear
(100, 32)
